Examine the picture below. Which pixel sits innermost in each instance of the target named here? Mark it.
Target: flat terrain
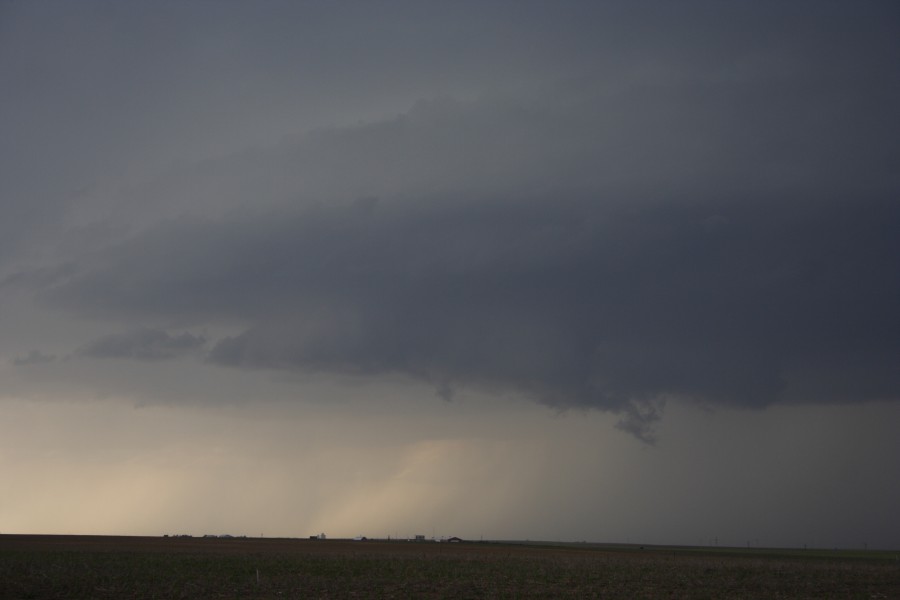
(43, 567)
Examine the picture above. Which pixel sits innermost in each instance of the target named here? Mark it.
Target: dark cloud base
(570, 301)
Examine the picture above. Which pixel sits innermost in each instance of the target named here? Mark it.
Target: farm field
(44, 567)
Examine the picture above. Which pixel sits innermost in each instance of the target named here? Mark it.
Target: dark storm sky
(638, 208)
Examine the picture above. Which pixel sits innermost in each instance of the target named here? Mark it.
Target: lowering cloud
(571, 302)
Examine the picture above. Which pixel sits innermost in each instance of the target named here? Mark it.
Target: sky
(580, 271)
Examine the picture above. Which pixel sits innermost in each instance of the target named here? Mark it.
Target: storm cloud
(404, 267)
(568, 302)
(586, 250)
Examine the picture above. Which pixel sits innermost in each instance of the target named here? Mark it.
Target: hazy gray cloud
(35, 357)
(142, 344)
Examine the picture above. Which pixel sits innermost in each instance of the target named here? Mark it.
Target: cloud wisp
(142, 344)
(34, 357)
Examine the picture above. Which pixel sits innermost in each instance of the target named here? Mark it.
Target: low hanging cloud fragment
(142, 344)
(34, 357)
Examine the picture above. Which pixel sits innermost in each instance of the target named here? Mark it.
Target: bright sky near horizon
(606, 271)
